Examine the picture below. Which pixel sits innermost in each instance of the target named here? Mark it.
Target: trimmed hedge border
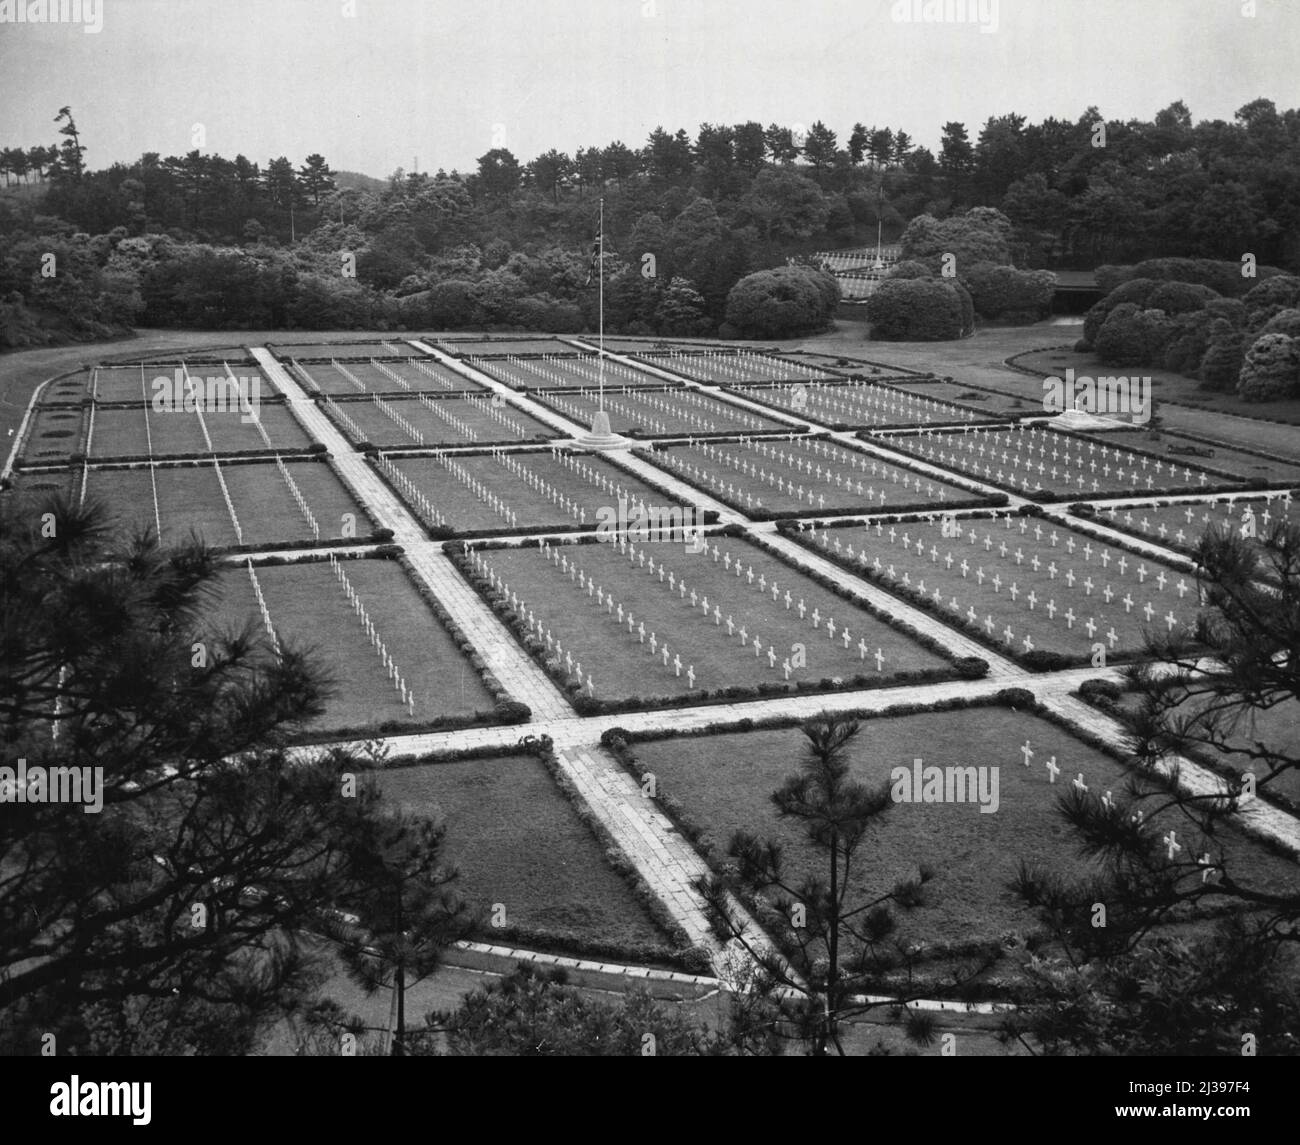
(961, 668)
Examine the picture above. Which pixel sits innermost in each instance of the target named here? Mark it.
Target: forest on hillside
(205, 241)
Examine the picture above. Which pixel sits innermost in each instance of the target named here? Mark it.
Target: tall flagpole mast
(600, 271)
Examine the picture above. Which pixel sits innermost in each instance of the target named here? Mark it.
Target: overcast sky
(445, 80)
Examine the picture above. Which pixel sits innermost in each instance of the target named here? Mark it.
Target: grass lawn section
(573, 370)
(987, 400)
(733, 367)
(622, 667)
(649, 411)
(1181, 526)
(858, 404)
(803, 476)
(477, 346)
(1075, 575)
(429, 376)
(309, 609)
(445, 421)
(30, 491)
(518, 842)
(1035, 459)
(725, 782)
(189, 497)
(1236, 461)
(464, 509)
(386, 349)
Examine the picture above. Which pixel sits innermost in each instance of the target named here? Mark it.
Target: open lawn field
(646, 412)
(394, 377)
(1021, 583)
(724, 782)
(310, 608)
(659, 620)
(988, 402)
(1037, 461)
(424, 420)
(519, 843)
(535, 489)
(804, 475)
(858, 405)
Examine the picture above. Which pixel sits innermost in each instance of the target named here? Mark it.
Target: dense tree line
(233, 243)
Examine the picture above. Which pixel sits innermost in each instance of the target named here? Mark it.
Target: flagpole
(601, 272)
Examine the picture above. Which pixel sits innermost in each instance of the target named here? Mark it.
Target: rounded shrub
(915, 310)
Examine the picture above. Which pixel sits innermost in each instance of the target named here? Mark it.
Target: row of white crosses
(495, 409)
(734, 366)
(545, 488)
(523, 369)
(394, 350)
(587, 369)
(413, 494)
(435, 374)
(457, 423)
(216, 465)
(554, 647)
(266, 612)
(1246, 524)
(391, 374)
(350, 425)
(252, 409)
(391, 412)
(351, 377)
(376, 642)
(1169, 839)
(1016, 448)
(861, 400)
(478, 488)
(298, 497)
(148, 437)
(971, 536)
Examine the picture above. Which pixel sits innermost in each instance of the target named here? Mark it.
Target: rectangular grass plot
(761, 615)
(394, 377)
(562, 371)
(483, 492)
(1021, 584)
(401, 422)
(647, 412)
(518, 842)
(802, 475)
(1052, 465)
(856, 404)
(310, 609)
(733, 367)
(190, 499)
